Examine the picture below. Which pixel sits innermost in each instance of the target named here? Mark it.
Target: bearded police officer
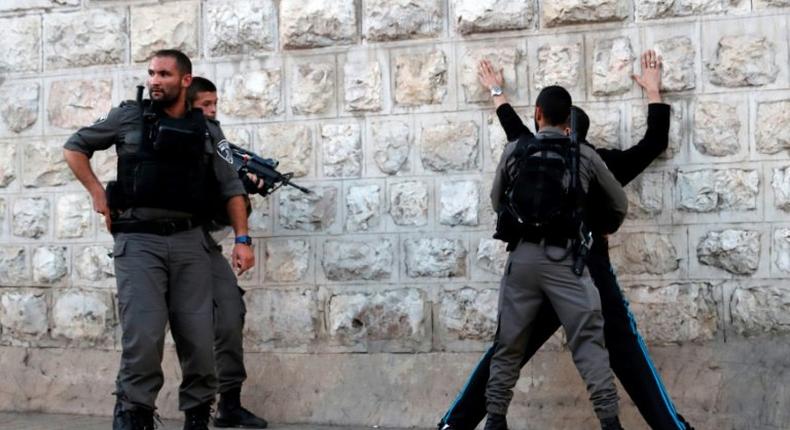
(169, 172)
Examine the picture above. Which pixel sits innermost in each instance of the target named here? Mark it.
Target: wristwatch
(243, 240)
(496, 91)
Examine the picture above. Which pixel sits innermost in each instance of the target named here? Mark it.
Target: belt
(538, 238)
(161, 227)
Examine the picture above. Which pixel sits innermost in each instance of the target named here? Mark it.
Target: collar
(550, 131)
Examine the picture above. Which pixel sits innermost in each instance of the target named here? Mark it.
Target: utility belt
(539, 236)
(158, 227)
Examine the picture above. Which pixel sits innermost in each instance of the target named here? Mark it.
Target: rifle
(264, 168)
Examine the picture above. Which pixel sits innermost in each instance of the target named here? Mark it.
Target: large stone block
(26, 5)
(23, 315)
(19, 105)
(497, 139)
(450, 146)
(744, 61)
(675, 313)
(765, 4)
(468, 314)
(30, 217)
(253, 94)
(420, 78)
(781, 249)
(308, 212)
(259, 220)
(341, 145)
(435, 258)
(392, 141)
(7, 163)
(408, 203)
(773, 127)
(558, 64)
(21, 47)
(50, 264)
(14, 269)
(612, 66)
(315, 23)
(402, 19)
(362, 86)
(95, 36)
(760, 310)
(676, 134)
(313, 88)
(605, 126)
(83, 317)
(363, 207)
(480, 16)
(73, 215)
(781, 186)
(646, 196)
(502, 58)
(716, 128)
(77, 103)
(705, 191)
(94, 263)
(564, 12)
(290, 144)
(164, 26)
(677, 70)
(287, 260)
(44, 165)
(240, 27)
(105, 165)
(736, 251)
(281, 319)
(459, 203)
(351, 260)
(492, 256)
(644, 254)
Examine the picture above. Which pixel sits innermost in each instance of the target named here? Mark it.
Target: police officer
(168, 173)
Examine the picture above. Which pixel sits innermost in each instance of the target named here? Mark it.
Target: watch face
(496, 91)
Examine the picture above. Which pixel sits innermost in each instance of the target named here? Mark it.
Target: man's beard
(165, 100)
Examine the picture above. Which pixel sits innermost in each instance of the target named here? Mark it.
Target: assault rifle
(264, 168)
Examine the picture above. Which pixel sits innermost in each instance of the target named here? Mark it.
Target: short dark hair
(199, 85)
(582, 123)
(183, 63)
(555, 102)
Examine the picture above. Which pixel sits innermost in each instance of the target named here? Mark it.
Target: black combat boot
(136, 419)
(197, 418)
(230, 413)
(611, 423)
(496, 422)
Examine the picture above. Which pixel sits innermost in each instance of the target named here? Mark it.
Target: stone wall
(388, 268)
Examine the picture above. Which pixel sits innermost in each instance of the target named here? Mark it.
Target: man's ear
(186, 80)
(538, 114)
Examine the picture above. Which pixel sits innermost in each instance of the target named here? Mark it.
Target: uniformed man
(168, 173)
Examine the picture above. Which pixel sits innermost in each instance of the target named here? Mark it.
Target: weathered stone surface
(19, 105)
(363, 207)
(558, 64)
(420, 78)
(451, 146)
(82, 316)
(260, 219)
(497, 138)
(605, 128)
(504, 58)
(649, 9)
(676, 135)
(468, 314)
(93, 263)
(391, 145)
(30, 217)
(290, 144)
(402, 19)
(315, 23)
(646, 196)
(408, 203)
(163, 26)
(105, 165)
(716, 127)
(20, 5)
(72, 215)
(287, 260)
(644, 254)
(44, 165)
(716, 190)
(760, 310)
(313, 88)
(459, 203)
(282, 319)
(492, 256)
(435, 258)
(363, 88)
(348, 260)
(253, 94)
(240, 27)
(308, 212)
(764, 4)
(781, 249)
(677, 70)
(49, 264)
(675, 312)
(612, 66)
(23, 315)
(342, 150)
(77, 103)
(563, 12)
(744, 61)
(736, 251)
(480, 16)
(7, 163)
(14, 269)
(773, 127)
(781, 186)
(95, 36)
(21, 47)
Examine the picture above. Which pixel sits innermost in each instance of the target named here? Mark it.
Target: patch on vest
(223, 149)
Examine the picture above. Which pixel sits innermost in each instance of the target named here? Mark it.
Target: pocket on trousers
(119, 248)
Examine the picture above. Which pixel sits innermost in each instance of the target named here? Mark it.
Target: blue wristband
(244, 240)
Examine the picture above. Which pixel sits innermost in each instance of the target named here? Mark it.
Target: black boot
(197, 418)
(612, 423)
(496, 422)
(136, 419)
(230, 413)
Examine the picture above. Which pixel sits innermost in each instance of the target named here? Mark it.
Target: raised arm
(508, 118)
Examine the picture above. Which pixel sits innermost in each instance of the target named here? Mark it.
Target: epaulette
(128, 103)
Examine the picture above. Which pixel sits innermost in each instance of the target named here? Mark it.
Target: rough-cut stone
(773, 127)
(480, 16)
(19, 105)
(21, 47)
(259, 220)
(564, 12)
(363, 207)
(391, 145)
(402, 19)
(765, 4)
(459, 202)
(492, 256)
(23, 5)
(287, 260)
(781, 249)
(72, 215)
(760, 310)
(290, 144)
(736, 251)
(342, 150)
(7, 163)
(30, 217)
(82, 316)
(612, 66)
(77, 103)
(253, 94)
(49, 264)
(281, 318)
(315, 23)
(435, 258)
(504, 58)
(675, 313)
(497, 138)
(23, 315)
(240, 27)
(44, 165)
(95, 36)
(14, 269)
(93, 263)
(313, 88)
(468, 314)
(644, 254)
(649, 9)
(308, 212)
(558, 64)
(105, 165)
(451, 146)
(716, 127)
(346, 260)
(420, 78)
(646, 196)
(677, 70)
(744, 61)
(362, 86)
(604, 129)
(164, 26)
(716, 190)
(408, 203)
(676, 135)
(781, 186)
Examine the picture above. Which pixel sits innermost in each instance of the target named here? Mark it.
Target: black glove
(249, 186)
